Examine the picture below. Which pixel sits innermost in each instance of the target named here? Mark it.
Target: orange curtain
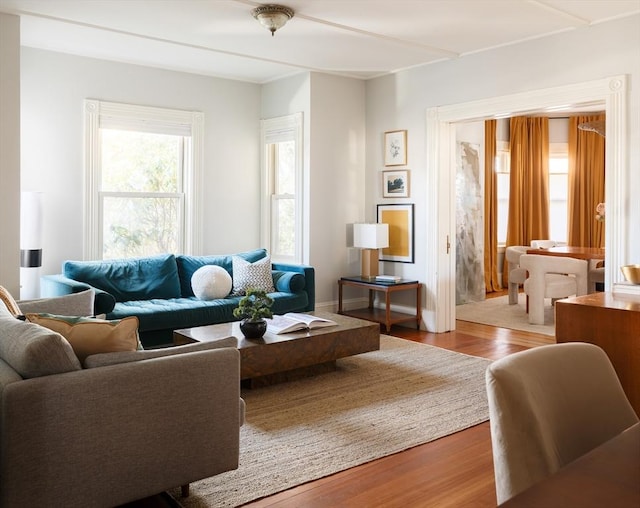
(586, 182)
(528, 182)
(491, 281)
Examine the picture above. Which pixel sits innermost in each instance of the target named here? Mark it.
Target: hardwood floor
(454, 471)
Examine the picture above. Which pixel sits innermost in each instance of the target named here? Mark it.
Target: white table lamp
(370, 238)
(30, 244)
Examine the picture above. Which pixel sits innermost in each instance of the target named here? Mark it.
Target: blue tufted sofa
(158, 291)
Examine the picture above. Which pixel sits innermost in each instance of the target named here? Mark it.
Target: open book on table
(295, 321)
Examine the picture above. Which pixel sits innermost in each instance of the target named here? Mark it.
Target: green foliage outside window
(141, 193)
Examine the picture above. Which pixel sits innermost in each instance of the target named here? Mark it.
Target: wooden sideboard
(611, 322)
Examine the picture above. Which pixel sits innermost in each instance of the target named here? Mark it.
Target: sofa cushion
(89, 336)
(158, 318)
(248, 275)
(176, 312)
(34, 351)
(129, 279)
(210, 282)
(187, 266)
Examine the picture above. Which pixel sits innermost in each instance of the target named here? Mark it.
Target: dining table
(607, 476)
(571, 252)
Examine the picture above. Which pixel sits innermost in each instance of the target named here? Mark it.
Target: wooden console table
(611, 322)
(386, 316)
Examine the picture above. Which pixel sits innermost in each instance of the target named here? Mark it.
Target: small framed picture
(395, 148)
(395, 183)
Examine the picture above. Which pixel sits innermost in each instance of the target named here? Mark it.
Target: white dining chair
(551, 277)
(516, 274)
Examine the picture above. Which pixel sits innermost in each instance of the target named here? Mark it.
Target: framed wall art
(395, 183)
(395, 148)
(400, 221)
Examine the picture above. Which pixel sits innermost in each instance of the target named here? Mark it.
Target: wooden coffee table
(285, 357)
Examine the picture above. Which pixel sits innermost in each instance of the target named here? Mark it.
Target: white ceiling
(356, 38)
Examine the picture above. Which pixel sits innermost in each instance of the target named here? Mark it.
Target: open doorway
(439, 313)
(471, 169)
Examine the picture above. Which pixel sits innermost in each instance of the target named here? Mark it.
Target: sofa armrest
(121, 432)
(58, 285)
(74, 304)
(104, 359)
(309, 275)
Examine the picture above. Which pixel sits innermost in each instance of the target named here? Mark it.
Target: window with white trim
(142, 168)
(502, 169)
(282, 187)
(558, 191)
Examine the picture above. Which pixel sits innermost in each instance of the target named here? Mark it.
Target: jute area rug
(498, 312)
(373, 405)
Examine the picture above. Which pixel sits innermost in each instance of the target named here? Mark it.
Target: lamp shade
(30, 244)
(371, 236)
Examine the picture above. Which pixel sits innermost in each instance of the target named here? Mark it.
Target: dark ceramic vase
(253, 329)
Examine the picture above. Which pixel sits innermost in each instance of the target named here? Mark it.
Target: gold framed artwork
(401, 232)
(395, 183)
(395, 148)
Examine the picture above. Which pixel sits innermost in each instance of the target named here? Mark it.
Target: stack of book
(388, 278)
(626, 288)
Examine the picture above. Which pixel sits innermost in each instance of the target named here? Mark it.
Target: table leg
(418, 306)
(339, 297)
(387, 301)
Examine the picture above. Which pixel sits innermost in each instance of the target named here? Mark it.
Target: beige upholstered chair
(548, 406)
(551, 277)
(517, 274)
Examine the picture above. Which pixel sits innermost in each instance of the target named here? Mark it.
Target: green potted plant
(252, 309)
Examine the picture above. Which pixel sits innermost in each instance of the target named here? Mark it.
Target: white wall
(10, 153)
(334, 172)
(400, 101)
(337, 179)
(54, 86)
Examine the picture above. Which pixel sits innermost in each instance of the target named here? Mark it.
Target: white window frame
(503, 167)
(558, 151)
(274, 130)
(148, 119)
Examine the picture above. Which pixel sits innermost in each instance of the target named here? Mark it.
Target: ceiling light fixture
(597, 126)
(272, 17)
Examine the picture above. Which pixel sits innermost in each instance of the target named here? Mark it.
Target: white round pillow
(211, 282)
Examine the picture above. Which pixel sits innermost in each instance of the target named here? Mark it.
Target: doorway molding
(611, 93)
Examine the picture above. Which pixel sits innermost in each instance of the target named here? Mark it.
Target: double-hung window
(142, 168)
(502, 168)
(558, 191)
(282, 187)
